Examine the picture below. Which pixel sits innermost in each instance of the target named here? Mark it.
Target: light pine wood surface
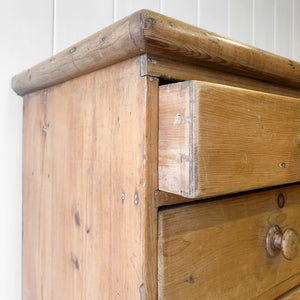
(106, 148)
(173, 70)
(216, 139)
(293, 294)
(216, 249)
(148, 290)
(89, 226)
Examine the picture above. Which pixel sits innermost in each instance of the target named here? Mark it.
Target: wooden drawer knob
(286, 242)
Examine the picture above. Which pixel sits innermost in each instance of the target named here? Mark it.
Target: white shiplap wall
(240, 16)
(33, 30)
(269, 24)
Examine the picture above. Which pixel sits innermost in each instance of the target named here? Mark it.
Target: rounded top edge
(146, 31)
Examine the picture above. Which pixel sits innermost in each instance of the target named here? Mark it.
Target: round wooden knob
(287, 242)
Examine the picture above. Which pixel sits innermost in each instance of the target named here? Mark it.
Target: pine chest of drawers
(161, 161)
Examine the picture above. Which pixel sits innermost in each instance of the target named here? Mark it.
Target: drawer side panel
(240, 140)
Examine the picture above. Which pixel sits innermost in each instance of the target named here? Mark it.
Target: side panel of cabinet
(87, 226)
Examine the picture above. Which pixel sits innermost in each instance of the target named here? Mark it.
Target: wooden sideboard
(161, 161)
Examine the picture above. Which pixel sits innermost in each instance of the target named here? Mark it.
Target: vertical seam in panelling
(115, 10)
(228, 18)
(160, 6)
(293, 29)
(275, 26)
(53, 27)
(253, 22)
(198, 13)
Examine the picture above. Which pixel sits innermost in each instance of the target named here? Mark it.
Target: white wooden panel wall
(187, 13)
(272, 25)
(284, 27)
(26, 38)
(124, 8)
(296, 30)
(240, 17)
(75, 20)
(263, 24)
(34, 30)
(213, 15)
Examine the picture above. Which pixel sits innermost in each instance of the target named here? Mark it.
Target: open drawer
(216, 139)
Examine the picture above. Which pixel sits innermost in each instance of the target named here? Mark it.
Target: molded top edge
(148, 32)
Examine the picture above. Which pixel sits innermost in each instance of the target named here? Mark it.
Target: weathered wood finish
(149, 32)
(284, 286)
(164, 198)
(216, 249)
(293, 294)
(89, 225)
(149, 211)
(93, 139)
(173, 70)
(106, 47)
(215, 139)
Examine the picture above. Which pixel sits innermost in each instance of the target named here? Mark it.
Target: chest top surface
(147, 32)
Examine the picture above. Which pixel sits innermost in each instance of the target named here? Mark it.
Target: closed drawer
(217, 249)
(216, 139)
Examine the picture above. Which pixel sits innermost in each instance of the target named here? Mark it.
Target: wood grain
(149, 32)
(87, 151)
(216, 139)
(149, 209)
(216, 249)
(164, 198)
(293, 294)
(106, 47)
(174, 70)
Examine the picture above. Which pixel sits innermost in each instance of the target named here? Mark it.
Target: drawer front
(216, 139)
(216, 249)
(293, 294)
